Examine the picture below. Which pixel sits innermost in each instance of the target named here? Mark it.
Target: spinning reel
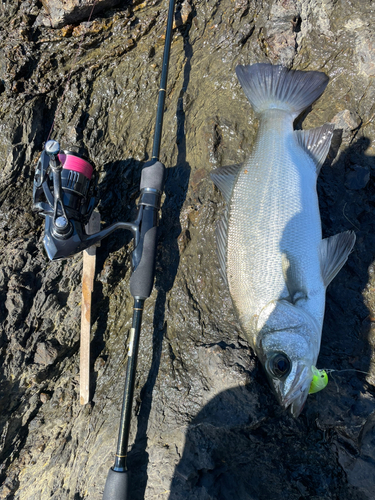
(64, 193)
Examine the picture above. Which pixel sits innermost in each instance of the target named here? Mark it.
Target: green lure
(319, 380)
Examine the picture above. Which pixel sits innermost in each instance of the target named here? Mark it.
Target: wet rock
(60, 13)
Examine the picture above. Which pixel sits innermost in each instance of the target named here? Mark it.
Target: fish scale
(270, 245)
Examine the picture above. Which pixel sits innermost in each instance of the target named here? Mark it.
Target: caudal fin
(267, 86)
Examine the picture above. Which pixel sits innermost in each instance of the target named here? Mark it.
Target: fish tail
(267, 86)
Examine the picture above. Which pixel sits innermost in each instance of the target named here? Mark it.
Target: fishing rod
(141, 281)
(64, 193)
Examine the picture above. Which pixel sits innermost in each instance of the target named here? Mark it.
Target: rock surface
(59, 13)
(205, 424)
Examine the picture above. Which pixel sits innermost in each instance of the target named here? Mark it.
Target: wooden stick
(89, 261)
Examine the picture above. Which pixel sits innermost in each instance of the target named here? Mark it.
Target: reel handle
(60, 248)
(62, 228)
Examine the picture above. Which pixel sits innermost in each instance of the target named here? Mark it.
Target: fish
(270, 248)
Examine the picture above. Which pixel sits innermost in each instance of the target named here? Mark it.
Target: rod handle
(144, 254)
(117, 485)
(142, 279)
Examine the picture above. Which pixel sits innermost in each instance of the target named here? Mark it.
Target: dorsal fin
(334, 252)
(224, 178)
(316, 142)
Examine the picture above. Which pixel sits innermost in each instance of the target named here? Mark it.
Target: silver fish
(270, 246)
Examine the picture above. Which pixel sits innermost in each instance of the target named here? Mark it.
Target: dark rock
(358, 467)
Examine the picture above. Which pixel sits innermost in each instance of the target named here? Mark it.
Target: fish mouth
(295, 398)
(296, 405)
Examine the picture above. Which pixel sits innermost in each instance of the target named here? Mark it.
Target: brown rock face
(64, 12)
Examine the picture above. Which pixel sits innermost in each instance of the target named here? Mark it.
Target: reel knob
(52, 148)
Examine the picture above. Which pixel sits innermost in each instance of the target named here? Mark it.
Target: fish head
(288, 346)
(287, 359)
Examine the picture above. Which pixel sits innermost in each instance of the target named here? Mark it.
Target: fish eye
(279, 365)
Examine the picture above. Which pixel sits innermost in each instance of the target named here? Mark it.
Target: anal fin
(224, 179)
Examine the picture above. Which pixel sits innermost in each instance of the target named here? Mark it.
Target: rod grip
(117, 485)
(152, 176)
(142, 279)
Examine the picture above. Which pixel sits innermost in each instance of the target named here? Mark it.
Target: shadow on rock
(346, 197)
(228, 456)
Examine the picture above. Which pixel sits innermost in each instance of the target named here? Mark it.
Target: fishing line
(331, 370)
(70, 73)
(347, 218)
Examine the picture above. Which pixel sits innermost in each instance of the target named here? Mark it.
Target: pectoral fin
(293, 284)
(316, 142)
(334, 252)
